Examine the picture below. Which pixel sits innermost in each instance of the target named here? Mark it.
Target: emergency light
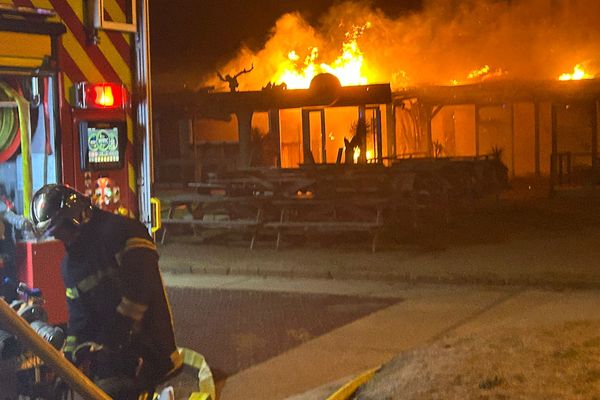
(100, 96)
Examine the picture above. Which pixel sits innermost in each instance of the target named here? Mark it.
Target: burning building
(467, 78)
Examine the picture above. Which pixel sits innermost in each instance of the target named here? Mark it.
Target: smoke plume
(442, 44)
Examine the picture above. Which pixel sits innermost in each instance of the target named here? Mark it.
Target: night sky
(201, 35)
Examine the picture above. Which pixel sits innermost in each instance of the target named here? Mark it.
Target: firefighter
(115, 294)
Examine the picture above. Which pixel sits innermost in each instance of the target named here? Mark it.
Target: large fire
(348, 67)
(578, 74)
(443, 43)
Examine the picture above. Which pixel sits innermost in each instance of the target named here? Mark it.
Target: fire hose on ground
(206, 384)
(12, 322)
(349, 389)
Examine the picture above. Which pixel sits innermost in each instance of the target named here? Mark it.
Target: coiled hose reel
(10, 132)
(9, 128)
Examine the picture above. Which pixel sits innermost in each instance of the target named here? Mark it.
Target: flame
(356, 154)
(478, 73)
(482, 74)
(578, 73)
(348, 67)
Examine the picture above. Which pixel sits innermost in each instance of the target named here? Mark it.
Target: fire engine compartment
(56, 127)
(41, 96)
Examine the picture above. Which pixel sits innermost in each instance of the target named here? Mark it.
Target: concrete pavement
(520, 266)
(428, 312)
(549, 258)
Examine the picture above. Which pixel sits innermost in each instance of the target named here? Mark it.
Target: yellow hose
(347, 390)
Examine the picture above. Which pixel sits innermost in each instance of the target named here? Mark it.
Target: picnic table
(304, 214)
(217, 212)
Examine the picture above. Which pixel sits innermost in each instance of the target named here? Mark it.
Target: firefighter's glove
(86, 351)
(69, 348)
(119, 334)
(83, 356)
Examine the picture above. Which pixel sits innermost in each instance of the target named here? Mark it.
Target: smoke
(441, 44)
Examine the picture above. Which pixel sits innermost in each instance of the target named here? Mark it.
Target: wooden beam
(536, 112)
(244, 120)
(275, 133)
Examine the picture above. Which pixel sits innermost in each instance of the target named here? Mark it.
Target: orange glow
(578, 73)
(482, 42)
(348, 67)
(479, 75)
(104, 96)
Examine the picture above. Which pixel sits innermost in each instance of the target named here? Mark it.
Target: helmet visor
(43, 212)
(56, 205)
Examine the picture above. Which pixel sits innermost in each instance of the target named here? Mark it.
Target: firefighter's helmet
(54, 205)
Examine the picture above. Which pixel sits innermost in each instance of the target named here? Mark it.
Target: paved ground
(428, 311)
(316, 367)
(522, 264)
(544, 243)
(238, 328)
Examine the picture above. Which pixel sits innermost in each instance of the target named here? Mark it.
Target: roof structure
(221, 105)
(499, 92)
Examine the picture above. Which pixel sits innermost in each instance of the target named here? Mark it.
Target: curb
(409, 278)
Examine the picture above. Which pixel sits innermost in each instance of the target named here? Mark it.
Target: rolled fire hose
(25, 126)
(10, 321)
(9, 129)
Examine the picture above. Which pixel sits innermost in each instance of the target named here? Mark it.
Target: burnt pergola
(370, 197)
(430, 99)
(220, 105)
(555, 94)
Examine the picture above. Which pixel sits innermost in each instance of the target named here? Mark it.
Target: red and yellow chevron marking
(111, 60)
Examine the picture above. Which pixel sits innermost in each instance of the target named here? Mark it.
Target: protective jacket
(115, 293)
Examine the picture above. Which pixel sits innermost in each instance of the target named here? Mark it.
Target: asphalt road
(235, 329)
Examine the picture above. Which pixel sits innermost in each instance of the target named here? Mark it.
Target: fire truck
(74, 109)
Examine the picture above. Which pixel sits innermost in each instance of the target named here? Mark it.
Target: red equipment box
(38, 266)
